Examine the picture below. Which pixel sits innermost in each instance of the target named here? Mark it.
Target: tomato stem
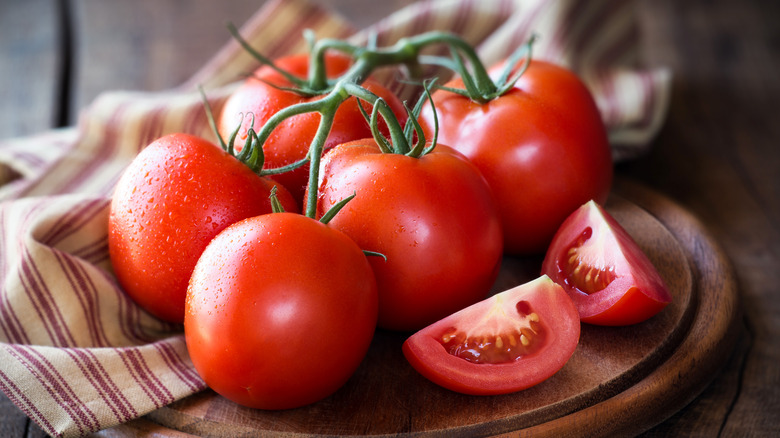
(336, 208)
(276, 205)
(210, 117)
(302, 85)
(398, 142)
(315, 155)
(464, 60)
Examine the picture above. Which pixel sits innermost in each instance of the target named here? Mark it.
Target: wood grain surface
(716, 157)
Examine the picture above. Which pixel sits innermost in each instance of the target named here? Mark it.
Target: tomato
(281, 310)
(542, 147)
(290, 141)
(506, 343)
(606, 274)
(172, 199)
(432, 217)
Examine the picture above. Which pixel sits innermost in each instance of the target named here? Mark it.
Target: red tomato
(542, 147)
(173, 198)
(506, 343)
(290, 141)
(434, 219)
(606, 274)
(281, 310)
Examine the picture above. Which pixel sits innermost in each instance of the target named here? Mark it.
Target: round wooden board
(620, 381)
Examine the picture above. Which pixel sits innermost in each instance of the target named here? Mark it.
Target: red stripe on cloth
(48, 182)
(9, 323)
(84, 290)
(49, 314)
(134, 322)
(523, 30)
(113, 143)
(93, 252)
(184, 371)
(16, 230)
(58, 388)
(294, 35)
(101, 381)
(147, 379)
(152, 125)
(73, 221)
(20, 399)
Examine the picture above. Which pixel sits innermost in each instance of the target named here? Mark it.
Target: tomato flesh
(604, 271)
(508, 342)
(578, 274)
(523, 336)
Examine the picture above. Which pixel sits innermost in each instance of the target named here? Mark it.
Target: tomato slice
(607, 275)
(505, 343)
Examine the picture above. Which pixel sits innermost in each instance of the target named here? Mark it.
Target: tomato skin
(558, 322)
(592, 238)
(173, 198)
(281, 310)
(433, 218)
(542, 147)
(290, 141)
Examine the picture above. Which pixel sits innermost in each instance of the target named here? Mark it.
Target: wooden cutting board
(620, 381)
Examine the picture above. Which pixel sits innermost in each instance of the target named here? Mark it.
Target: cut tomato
(505, 343)
(607, 275)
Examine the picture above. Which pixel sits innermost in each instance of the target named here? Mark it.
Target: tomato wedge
(607, 275)
(506, 343)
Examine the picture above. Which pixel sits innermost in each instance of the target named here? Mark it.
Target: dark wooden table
(718, 154)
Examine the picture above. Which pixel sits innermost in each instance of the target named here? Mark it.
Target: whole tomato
(542, 146)
(173, 198)
(281, 310)
(262, 95)
(432, 217)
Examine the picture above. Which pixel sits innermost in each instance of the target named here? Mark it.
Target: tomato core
(484, 344)
(579, 273)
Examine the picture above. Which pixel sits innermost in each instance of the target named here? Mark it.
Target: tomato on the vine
(267, 91)
(432, 217)
(604, 271)
(281, 310)
(542, 146)
(173, 198)
(506, 343)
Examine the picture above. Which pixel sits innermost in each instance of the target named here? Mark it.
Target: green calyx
(276, 205)
(408, 140)
(251, 153)
(478, 85)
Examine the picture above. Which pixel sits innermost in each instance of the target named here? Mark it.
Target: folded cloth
(76, 354)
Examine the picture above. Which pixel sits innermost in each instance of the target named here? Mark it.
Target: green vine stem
(464, 61)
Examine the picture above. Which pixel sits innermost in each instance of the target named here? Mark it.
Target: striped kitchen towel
(76, 354)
